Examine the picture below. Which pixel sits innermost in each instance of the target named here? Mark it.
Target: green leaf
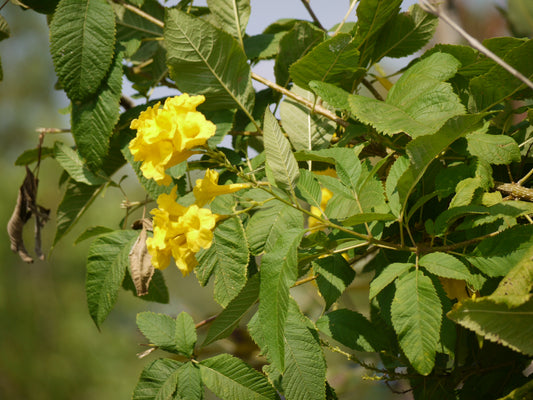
(32, 155)
(190, 386)
(82, 38)
(305, 368)
(227, 258)
(71, 162)
(497, 255)
(185, 334)
(293, 46)
(387, 276)
(279, 269)
(232, 15)
(416, 317)
(157, 291)
(418, 104)
(308, 188)
(333, 95)
(159, 329)
(268, 223)
(372, 15)
(406, 33)
(91, 232)
(394, 191)
(352, 330)
(492, 318)
(41, 6)
(519, 281)
(334, 61)
(158, 380)
(446, 266)
(306, 130)
(77, 199)
(231, 379)
(197, 55)
(227, 320)
(262, 47)
(497, 84)
(93, 120)
(494, 149)
(279, 156)
(107, 261)
(364, 218)
(334, 276)
(423, 150)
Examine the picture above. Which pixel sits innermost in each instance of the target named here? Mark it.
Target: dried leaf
(25, 207)
(141, 267)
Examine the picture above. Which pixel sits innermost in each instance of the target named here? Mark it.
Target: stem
(305, 280)
(206, 321)
(429, 7)
(312, 14)
(352, 6)
(315, 108)
(141, 13)
(372, 90)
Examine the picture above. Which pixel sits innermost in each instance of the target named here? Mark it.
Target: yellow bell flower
(207, 189)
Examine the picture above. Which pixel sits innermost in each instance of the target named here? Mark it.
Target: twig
(516, 190)
(305, 280)
(312, 14)
(372, 90)
(314, 107)
(206, 321)
(431, 8)
(141, 13)
(352, 6)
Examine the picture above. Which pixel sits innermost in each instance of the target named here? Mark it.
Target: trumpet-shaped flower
(165, 136)
(207, 189)
(179, 232)
(326, 196)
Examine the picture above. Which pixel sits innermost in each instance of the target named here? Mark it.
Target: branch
(313, 107)
(429, 7)
(312, 14)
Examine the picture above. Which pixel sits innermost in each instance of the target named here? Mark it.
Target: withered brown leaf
(141, 263)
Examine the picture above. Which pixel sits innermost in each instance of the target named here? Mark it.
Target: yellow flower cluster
(179, 232)
(165, 136)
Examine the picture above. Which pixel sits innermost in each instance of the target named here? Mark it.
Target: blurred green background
(49, 346)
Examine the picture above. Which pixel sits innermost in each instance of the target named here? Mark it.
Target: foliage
(406, 186)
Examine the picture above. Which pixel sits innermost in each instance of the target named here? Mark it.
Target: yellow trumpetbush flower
(165, 136)
(207, 189)
(179, 232)
(326, 196)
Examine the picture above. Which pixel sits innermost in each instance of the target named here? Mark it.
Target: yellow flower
(179, 232)
(326, 196)
(207, 189)
(165, 136)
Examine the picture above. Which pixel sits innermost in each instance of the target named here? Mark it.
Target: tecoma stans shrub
(418, 180)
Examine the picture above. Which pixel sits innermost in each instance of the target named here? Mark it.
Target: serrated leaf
(32, 155)
(446, 266)
(107, 261)
(227, 258)
(262, 47)
(306, 130)
(493, 318)
(268, 223)
(279, 156)
(232, 15)
(76, 200)
(157, 291)
(185, 334)
(293, 46)
(416, 314)
(82, 38)
(190, 386)
(334, 276)
(333, 95)
(197, 55)
(160, 329)
(231, 379)
(305, 368)
(351, 329)
(497, 84)
(418, 104)
(496, 256)
(308, 188)
(519, 281)
(392, 189)
(227, 320)
(93, 120)
(387, 276)
(91, 232)
(71, 162)
(279, 269)
(333, 61)
(406, 33)
(158, 380)
(367, 217)
(372, 15)
(494, 149)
